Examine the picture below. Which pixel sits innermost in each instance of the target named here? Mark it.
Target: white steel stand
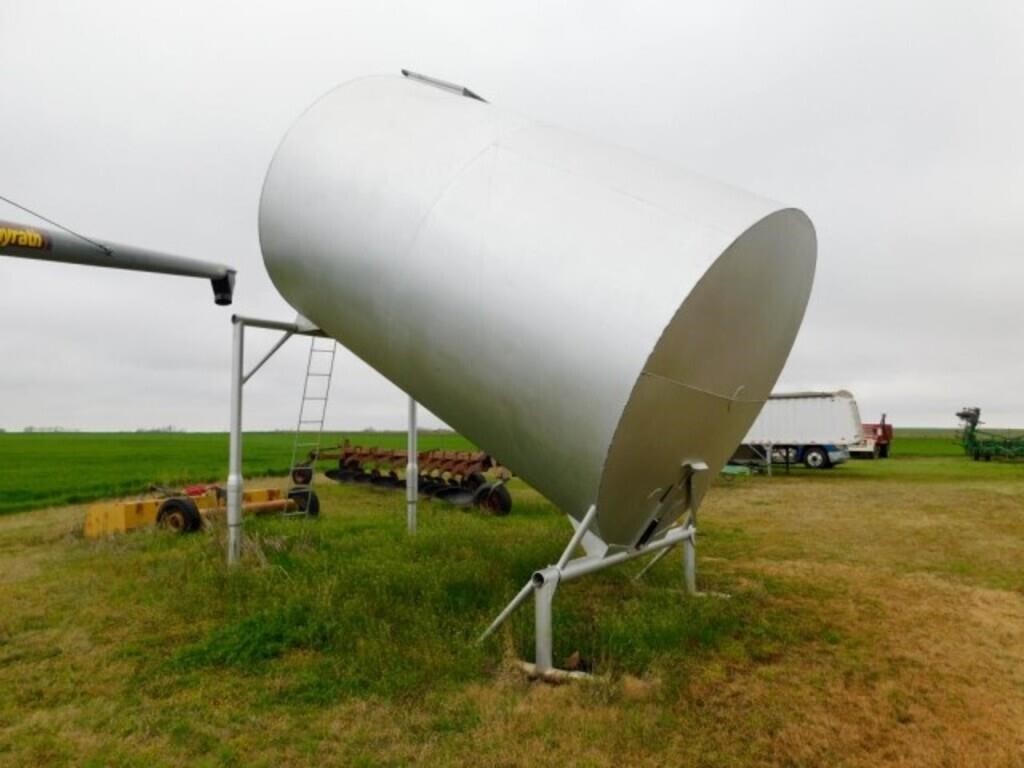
(301, 327)
(235, 444)
(544, 583)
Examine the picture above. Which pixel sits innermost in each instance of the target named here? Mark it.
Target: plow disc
(456, 477)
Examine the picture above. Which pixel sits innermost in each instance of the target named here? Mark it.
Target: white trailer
(813, 428)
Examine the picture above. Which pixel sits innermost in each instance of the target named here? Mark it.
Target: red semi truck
(875, 441)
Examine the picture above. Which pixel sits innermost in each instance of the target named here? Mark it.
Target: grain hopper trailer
(810, 428)
(979, 444)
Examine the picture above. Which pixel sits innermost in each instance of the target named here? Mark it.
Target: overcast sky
(897, 126)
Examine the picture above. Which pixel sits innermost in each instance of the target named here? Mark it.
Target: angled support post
(690, 564)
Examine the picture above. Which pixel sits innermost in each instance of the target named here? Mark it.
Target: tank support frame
(544, 582)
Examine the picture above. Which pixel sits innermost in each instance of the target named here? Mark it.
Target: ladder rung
(314, 427)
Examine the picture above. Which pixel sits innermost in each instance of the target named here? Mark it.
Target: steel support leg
(412, 471)
(234, 512)
(690, 563)
(545, 583)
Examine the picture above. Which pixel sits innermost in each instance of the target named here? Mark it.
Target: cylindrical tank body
(593, 318)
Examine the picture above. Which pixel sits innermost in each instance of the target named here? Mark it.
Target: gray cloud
(897, 126)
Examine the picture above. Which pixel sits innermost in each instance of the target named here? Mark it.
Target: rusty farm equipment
(185, 510)
(457, 477)
(982, 445)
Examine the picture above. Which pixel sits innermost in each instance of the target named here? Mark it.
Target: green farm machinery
(979, 444)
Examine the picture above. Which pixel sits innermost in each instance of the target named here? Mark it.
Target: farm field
(48, 469)
(875, 616)
(45, 469)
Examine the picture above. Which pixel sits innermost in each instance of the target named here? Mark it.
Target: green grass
(42, 470)
(69, 468)
(874, 615)
(323, 614)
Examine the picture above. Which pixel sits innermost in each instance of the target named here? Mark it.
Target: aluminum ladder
(310, 426)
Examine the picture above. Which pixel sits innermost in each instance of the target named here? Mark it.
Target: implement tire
(494, 499)
(306, 501)
(179, 514)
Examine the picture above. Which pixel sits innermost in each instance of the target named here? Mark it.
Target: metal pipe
(690, 564)
(43, 244)
(444, 85)
(412, 485)
(515, 603)
(584, 565)
(234, 512)
(545, 583)
(279, 325)
(577, 537)
(574, 569)
(280, 343)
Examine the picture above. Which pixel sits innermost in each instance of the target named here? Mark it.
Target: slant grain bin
(595, 319)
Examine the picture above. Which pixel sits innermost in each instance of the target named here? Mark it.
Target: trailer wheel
(306, 500)
(493, 498)
(883, 452)
(816, 458)
(180, 515)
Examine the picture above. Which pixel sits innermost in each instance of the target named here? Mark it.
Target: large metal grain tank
(590, 316)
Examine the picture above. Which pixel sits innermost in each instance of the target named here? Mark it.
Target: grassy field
(876, 616)
(46, 469)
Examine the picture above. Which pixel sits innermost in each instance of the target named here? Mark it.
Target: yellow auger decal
(22, 238)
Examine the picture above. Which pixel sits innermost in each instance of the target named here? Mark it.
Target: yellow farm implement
(185, 511)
